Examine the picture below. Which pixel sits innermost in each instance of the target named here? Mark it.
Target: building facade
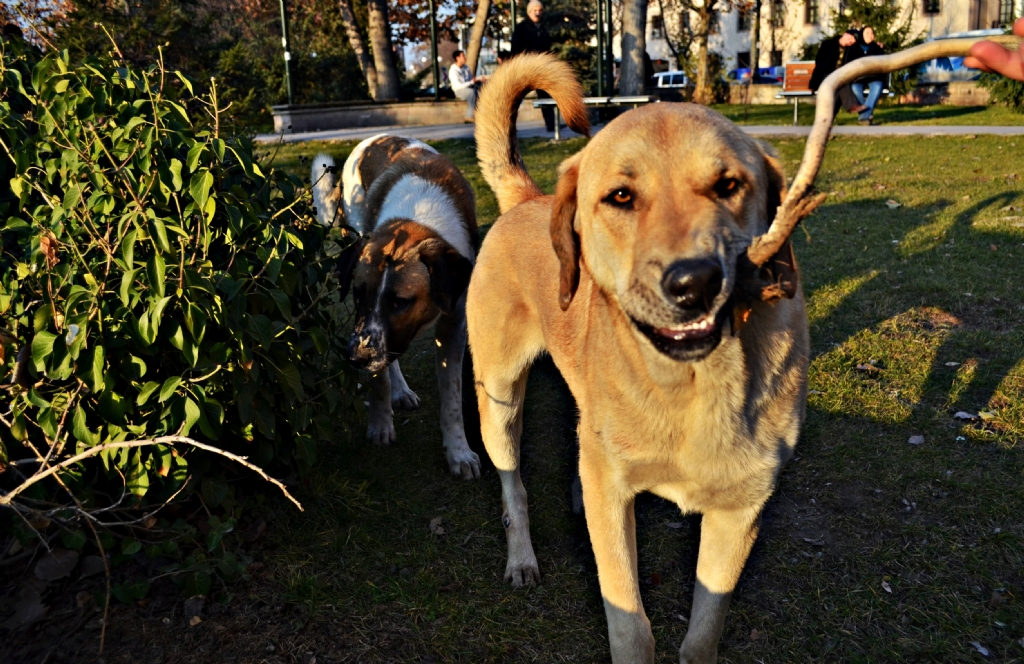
(787, 25)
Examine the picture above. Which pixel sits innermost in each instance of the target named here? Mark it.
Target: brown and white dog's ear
(345, 265)
(563, 232)
(449, 272)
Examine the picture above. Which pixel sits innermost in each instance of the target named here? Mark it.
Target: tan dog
(628, 277)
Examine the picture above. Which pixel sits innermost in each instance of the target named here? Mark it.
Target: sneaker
(867, 123)
(859, 108)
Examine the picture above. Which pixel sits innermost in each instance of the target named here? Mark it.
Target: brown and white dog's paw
(463, 461)
(382, 433)
(404, 399)
(523, 573)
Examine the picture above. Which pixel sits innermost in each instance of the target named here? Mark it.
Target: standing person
(464, 84)
(867, 46)
(828, 59)
(532, 37)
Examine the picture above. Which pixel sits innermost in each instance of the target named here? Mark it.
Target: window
(776, 58)
(778, 14)
(932, 7)
(1005, 13)
(743, 60)
(742, 19)
(657, 27)
(810, 11)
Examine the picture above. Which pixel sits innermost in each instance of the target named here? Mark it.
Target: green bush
(1004, 90)
(155, 279)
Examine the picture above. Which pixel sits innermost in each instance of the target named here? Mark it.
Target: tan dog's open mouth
(686, 342)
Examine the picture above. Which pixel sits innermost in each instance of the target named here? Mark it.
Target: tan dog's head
(403, 277)
(659, 206)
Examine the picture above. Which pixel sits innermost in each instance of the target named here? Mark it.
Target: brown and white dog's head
(660, 205)
(402, 278)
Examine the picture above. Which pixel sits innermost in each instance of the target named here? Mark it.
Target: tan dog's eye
(621, 198)
(726, 187)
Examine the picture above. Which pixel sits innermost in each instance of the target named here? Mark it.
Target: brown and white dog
(416, 216)
(632, 278)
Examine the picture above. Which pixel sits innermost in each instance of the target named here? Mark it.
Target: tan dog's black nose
(692, 284)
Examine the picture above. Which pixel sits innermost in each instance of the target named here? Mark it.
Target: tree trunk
(383, 56)
(634, 45)
(702, 93)
(355, 40)
(476, 38)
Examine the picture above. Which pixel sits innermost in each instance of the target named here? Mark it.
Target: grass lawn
(889, 114)
(872, 549)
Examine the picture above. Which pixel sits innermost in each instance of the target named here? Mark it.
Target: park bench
(796, 81)
(597, 102)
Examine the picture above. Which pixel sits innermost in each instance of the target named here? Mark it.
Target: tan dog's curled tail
(326, 195)
(497, 147)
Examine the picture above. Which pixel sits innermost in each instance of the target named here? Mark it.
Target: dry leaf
(91, 565)
(952, 364)
(985, 652)
(754, 634)
(435, 525)
(867, 367)
(962, 415)
(993, 247)
(56, 565)
(29, 608)
(886, 587)
(987, 415)
(916, 440)
(194, 620)
(48, 246)
(655, 579)
(892, 205)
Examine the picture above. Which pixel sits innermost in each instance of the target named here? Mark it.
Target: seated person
(464, 84)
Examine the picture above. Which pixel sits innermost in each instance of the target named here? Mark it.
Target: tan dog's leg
(500, 397)
(612, 526)
(725, 541)
(402, 396)
(380, 427)
(450, 342)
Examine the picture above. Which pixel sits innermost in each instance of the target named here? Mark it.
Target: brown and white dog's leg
(612, 526)
(380, 427)
(402, 396)
(725, 542)
(450, 342)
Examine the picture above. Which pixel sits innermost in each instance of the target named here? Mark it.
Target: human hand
(991, 57)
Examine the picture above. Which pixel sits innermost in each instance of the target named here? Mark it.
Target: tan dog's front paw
(463, 461)
(382, 433)
(525, 573)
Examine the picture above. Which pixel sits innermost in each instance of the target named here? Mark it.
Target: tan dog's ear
(776, 182)
(563, 235)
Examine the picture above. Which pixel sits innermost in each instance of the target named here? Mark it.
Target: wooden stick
(162, 440)
(799, 203)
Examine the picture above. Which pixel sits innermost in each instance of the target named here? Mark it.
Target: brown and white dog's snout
(367, 347)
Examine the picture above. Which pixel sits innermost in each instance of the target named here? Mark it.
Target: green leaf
(156, 312)
(137, 368)
(156, 270)
(319, 339)
(290, 379)
(130, 592)
(80, 430)
(169, 386)
(192, 414)
(128, 249)
(127, 280)
(175, 168)
(137, 478)
(42, 348)
(214, 491)
(293, 239)
(284, 305)
(158, 232)
(195, 320)
(130, 546)
(146, 391)
(97, 373)
(199, 187)
(194, 154)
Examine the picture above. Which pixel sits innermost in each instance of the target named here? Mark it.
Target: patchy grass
(889, 114)
(924, 298)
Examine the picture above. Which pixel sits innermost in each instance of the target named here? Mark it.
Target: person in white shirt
(464, 84)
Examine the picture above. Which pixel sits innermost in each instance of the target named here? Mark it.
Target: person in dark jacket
(826, 62)
(530, 36)
(866, 46)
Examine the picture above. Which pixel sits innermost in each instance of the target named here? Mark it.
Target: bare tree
(379, 29)
(707, 15)
(476, 38)
(634, 44)
(355, 40)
